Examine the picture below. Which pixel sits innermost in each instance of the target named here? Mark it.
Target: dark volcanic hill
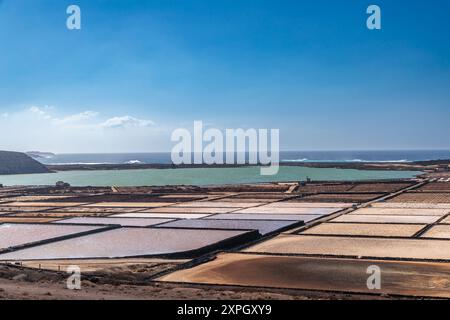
(19, 163)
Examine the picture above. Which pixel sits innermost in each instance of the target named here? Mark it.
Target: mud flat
(410, 249)
(423, 197)
(283, 211)
(339, 275)
(401, 212)
(340, 197)
(438, 232)
(412, 219)
(361, 229)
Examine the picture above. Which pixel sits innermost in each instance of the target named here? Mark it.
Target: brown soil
(420, 197)
(380, 187)
(437, 186)
(399, 278)
(343, 197)
(317, 188)
(59, 214)
(22, 283)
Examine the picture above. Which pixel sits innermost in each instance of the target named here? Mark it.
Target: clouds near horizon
(45, 128)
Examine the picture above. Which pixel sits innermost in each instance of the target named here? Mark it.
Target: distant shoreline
(396, 166)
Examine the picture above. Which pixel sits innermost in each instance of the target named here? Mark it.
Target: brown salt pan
(309, 205)
(161, 215)
(130, 204)
(401, 212)
(357, 229)
(345, 275)
(386, 219)
(296, 217)
(438, 232)
(44, 204)
(272, 210)
(411, 205)
(356, 247)
(189, 210)
(217, 204)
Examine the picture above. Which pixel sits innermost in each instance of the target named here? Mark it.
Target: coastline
(431, 165)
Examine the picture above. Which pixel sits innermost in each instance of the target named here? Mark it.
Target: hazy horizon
(169, 151)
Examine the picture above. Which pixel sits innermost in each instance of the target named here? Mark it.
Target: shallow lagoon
(201, 176)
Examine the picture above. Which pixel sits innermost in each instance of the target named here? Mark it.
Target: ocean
(286, 156)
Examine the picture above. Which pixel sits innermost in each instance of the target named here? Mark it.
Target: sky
(139, 69)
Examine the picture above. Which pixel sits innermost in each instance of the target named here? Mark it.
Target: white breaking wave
(295, 160)
(352, 160)
(379, 161)
(77, 163)
(134, 162)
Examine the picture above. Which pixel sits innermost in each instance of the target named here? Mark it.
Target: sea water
(197, 176)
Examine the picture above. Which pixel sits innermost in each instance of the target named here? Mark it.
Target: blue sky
(138, 69)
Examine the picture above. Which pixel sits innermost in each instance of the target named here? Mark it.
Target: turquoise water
(202, 176)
